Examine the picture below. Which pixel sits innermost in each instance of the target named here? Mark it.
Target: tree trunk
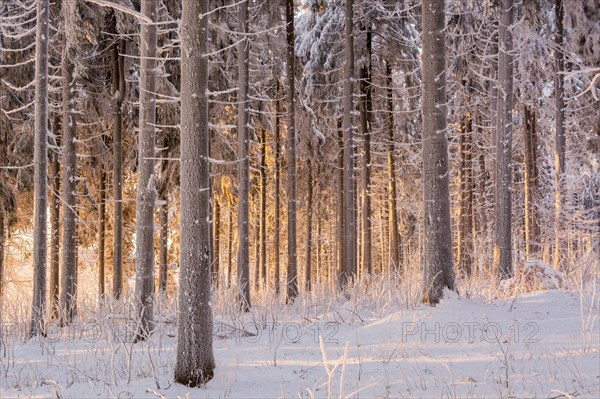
(195, 360)
(229, 245)
(292, 267)
(365, 127)
(263, 208)
(118, 88)
(531, 182)
(277, 188)
(340, 209)
(503, 211)
(438, 270)
(146, 192)
(243, 262)
(465, 198)
(164, 242)
(394, 234)
(309, 214)
(54, 206)
(40, 169)
(349, 262)
(101, 232)
(216, 240)
(256, 241)
(69, 173)
(560, 142)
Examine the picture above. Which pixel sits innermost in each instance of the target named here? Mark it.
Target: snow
(541, 344)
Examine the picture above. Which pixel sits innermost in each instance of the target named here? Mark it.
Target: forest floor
(541, 344)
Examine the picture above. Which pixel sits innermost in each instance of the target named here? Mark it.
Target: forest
(178, 176)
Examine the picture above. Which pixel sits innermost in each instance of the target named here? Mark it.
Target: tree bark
(229, 245)
(216, 240)
(309, 214)
(164, 242)
(69, 172)
(340, 208)
(531, 183)
(146, 191)
(438, 270)
(101, 232)
(263, 208)
(292, 267)
(465, 198)
(118, 88)
(394, 234)
(54, 206)
(243, 263)
(503, 210)
(560, 141)
(365, 127)
(349, 262)
(195, 359)
(277, 244)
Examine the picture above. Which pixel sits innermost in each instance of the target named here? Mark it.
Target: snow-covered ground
(541, 344)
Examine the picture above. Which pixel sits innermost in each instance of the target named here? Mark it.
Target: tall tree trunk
(560, 142)
(243, 262)
(531, 182)
(365, 127)
(465, 198)
(319, 260)
(164, 242)
(195, 362)
(438, 270)
(292, 267)
(484, 178)
(54, 206)
(216, 240)
(69, 171)
(349, 262)
(101, 232)
(340, 208)
(118, 88)
(229, 245)
(394, 234)
(263, 208)
(309, 214)
(277, 188)
(256, 240)
(146, 191)
(503, 211)
(40, 169)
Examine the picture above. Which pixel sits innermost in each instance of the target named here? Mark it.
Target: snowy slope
(543, 344)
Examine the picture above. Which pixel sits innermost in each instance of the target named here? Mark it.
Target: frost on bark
(292, 267)
(503, 210)
(560, 141)
(394, 234)
(195, 360)
(101, 232)
(263, 208)
(118, 92)
(437, 268)
(365, 127)
(146, 192)
(54, 207)
(243, 260)
(40, 169)
(277, 188)
(68, 295)
(349, 261)
(465, 198)
(532, 228)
